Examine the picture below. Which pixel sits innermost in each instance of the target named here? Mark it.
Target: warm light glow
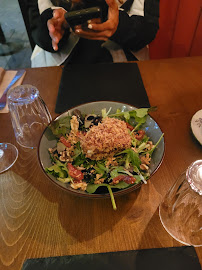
(200, 172)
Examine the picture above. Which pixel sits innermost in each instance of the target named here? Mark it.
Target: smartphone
(81, 16)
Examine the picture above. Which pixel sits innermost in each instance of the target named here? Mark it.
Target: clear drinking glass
(8, 156)
(29, 114)
(181, 210)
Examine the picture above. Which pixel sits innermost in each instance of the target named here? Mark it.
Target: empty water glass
(181, 210)
(29, 114)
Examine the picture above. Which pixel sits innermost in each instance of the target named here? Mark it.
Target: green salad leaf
(131, 157)
(58, 170)
(78, 157)
(61, 126)
(152, 150)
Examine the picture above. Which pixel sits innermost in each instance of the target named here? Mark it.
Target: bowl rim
(94, 195)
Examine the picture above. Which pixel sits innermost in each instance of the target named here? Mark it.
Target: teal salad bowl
(152, 130)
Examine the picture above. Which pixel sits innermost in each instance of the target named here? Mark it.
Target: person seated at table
(128, 28)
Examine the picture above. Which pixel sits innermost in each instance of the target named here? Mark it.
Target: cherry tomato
(126, 178)
(65, 141)
(129, 126)
(129, 179)
(140, 134)
(118, 178)
(76, 174)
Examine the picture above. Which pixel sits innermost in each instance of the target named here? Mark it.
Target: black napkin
(85, 83)
(177, 258)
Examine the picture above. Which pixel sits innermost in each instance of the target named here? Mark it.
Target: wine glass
(29, 114)
(8, 156)
(181, 210)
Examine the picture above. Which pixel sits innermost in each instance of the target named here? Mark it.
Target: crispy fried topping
(105, 139)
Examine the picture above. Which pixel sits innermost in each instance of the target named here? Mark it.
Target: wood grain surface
(38, 219)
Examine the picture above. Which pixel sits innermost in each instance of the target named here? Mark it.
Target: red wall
(180, 31)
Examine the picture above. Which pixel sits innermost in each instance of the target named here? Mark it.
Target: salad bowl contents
(101, 149)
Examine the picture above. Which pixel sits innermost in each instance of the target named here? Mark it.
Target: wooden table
(38, 219)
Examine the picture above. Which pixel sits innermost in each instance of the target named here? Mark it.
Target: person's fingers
(80, 26)
(56, 37)
(100, 27)
(113, 19)
(109, 26)
(51, 28)
(105, 32)
(77, 27)
(58, 13)
(94, 20)
(88, 34)
(56, 27)
(55, 30)
(54, 45)
(51, 25)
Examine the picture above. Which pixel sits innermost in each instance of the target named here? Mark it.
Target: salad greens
(121, 169)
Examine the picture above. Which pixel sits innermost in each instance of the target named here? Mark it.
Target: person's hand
(56, 26)
(101, 31)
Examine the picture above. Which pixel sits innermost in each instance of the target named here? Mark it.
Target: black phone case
(81, 16)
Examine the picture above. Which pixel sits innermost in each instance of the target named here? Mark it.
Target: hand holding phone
(97, 29)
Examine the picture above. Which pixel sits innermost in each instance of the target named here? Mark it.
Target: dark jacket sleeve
(135, 32)
(39, 29)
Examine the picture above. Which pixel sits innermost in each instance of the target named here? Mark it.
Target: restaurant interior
(143, 208)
